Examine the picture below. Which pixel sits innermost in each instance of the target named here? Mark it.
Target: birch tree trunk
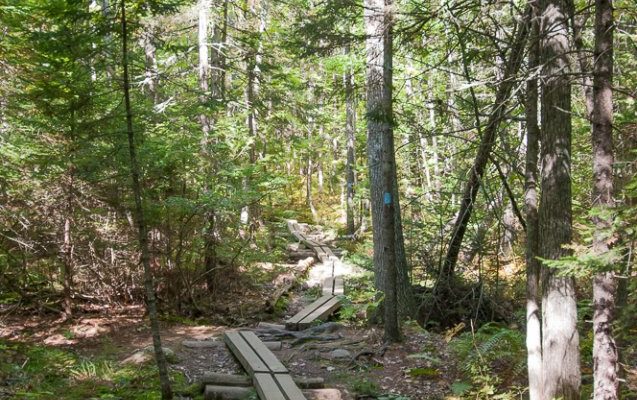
(605, 354)
(560, 340)
(207, 124)
(147, 41)
(149, 286)
(255, 22)
(533, 311)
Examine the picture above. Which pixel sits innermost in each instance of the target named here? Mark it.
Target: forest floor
(358, 362)
(351, 357)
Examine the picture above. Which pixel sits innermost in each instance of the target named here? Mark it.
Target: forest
(318, 199)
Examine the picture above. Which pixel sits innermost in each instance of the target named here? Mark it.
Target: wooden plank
(263, 352)
(328, 251)
(328, 286)
(292, 323)
(244, 353)
(267, 388)
(339, 288)
(287, 385)
(322, 255)
(321, 313)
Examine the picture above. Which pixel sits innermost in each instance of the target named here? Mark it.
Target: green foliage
(423, 372)
(38, 372)
(489, 357)
(364, 387)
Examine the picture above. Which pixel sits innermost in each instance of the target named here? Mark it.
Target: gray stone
(340, 354)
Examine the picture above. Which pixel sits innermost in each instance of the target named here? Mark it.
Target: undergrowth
(41, 372)
(492, 358)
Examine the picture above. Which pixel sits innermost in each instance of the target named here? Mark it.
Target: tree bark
(207, 124)
(560, 340)
(605, 354)
(390, 192)
(350, 131)
(533, 311)
(382, 165)
(151, 81)
(151, 303)
(255, 18)
(487, 142)
(583, 58)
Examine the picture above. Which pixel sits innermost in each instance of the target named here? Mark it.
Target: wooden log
(207, 344)
(216, 379)
(212, 392)
(241, 393)
(286, 281)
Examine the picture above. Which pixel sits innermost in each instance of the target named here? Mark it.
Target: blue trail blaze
(387, 198)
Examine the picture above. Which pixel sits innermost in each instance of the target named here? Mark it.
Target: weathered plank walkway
(270, 377)
(322, 308)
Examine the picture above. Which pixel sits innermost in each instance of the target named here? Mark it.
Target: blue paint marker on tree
(387, 198)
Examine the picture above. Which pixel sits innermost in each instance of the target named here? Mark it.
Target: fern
(490, 356)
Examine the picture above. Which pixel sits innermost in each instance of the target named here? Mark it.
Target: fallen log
(239, 392)
(284, 282)
(203, 344)
(216, 379)
(227, 392)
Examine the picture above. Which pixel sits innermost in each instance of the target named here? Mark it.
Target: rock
(139, 357)
(147, 354)
(339, 354)
(323, 394)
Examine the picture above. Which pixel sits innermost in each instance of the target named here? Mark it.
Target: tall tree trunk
(67, 254)
(605, 355)
(584, 60)
(350, 131)
(207, 124)
(147, 41)
(381, 160)
(390, 188)
(309, 167)
(255, 22)
(498, 111)
(151, 303)
(533, 311)
(560, 340)
(218, 64)
(68, 259)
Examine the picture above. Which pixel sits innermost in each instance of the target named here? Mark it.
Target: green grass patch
(41, 372)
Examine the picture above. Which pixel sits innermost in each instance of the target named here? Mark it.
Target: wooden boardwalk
(269, 376)
(323, 307)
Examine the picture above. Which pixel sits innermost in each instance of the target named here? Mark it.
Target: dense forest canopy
(475, 159)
